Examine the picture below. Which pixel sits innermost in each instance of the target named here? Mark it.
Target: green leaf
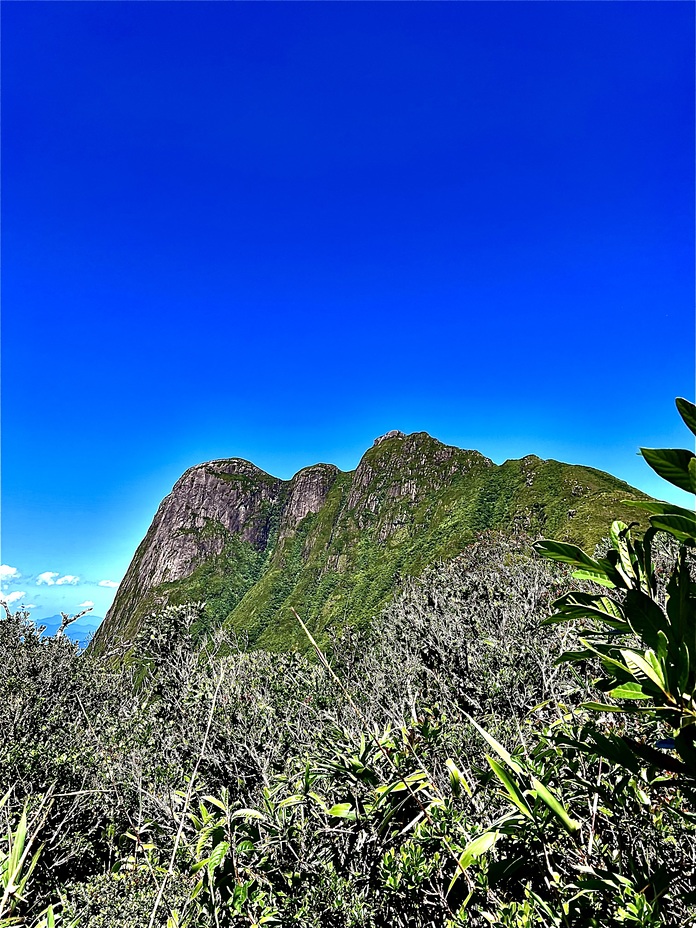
(545, 794)
(513, 790)
(217, 856)
(687, 411)
(604, 653)
(658, 507)
(680, 527)
(628, 691)
(684, 746)
(567, 554)
(457, 779)
(596, 576)
(295, 800)
(497, 747)
(247, 813)
(17, 848)
(672, 464)
(342, 810)
(578, 605)
(661, 759)
(683, 669)
(613, 749)
(620, 539)
(644, 669)
(474, 849)
(571, 657)
(645, 617)
(416, 782)
(602, 707)
(215, 802)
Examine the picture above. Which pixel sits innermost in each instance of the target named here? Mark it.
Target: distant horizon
(277, 231)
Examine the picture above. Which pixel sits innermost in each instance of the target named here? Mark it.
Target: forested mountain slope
(337, 545)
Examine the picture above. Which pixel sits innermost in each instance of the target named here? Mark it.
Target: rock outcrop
(334, 544)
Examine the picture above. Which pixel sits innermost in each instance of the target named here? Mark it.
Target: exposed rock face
(207, 505)
(402, 470)
(230, 494)
(334, 544)
(209, 500)
(307, 494)
(395, 433)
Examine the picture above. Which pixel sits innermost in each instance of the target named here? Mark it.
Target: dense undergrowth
(442, 767)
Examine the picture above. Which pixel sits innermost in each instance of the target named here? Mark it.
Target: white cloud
(68, 578)
(30, 606)
(87, 604)
(10, 598)
(110, 583)
(47, 577)
(8, 573)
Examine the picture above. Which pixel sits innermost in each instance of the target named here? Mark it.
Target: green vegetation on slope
(343, 566)
(411, 503)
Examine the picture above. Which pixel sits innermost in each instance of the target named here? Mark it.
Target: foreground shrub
(457, 763)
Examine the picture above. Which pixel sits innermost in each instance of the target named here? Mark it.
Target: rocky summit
(337, 545)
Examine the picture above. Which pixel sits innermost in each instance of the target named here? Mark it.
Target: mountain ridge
(335, 544)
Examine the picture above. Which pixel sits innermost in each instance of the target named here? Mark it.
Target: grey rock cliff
(307, 494)
(334, 543)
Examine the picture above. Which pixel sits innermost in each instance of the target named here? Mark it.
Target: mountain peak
(334, 544)
(394, 433)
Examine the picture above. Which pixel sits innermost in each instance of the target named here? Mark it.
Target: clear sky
(278, 230)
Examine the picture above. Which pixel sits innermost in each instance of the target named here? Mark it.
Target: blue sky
(277, 230)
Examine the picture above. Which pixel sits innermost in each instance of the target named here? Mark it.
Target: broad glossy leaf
(687, 411)
(628, 691)
(217, 856)
(617, 533)
(672, 464)
(644, 669)
(645, 617)
(680, 527)
(681, 602)
(606, 654)
(614, 749)
(595, 576)
(567, 554)
(248, 813)
(658, 507)
(655, 757)
(215, 802)
(582, 605)
(621, 540)
(291, 801)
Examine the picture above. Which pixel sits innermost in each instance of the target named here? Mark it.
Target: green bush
(461, 761)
